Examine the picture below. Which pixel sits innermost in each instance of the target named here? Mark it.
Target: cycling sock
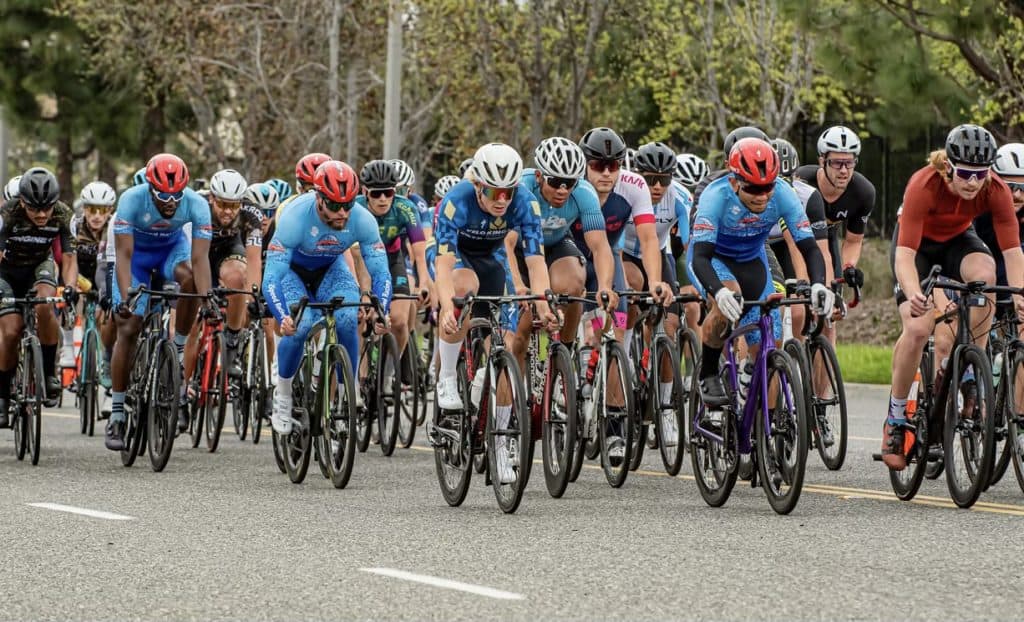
(117, 407)
(179, 343)
(897, 409)
(626, 341)
(49, 360)
(502, 415)
(449, 353)
(709, 361)
(108, 353)
(666, 393)
(5, 383)
(284, 384)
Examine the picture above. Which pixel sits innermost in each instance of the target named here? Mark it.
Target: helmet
(262, 196)
(200, 183)
(745, 131)
(98, 193)
(306, 167)
(38, 187)
(284, 190)
(139, 177)
(655, 158)
(167, 173)
(690, 169)
(1010, 160)
(336, 181)
(559, 157)
(11, 189)
(788, 158)
(497, 165)
(754, 161)
(445, 185)
(228, 185)
(838, 139)
(631, 158)
(971, 144)
(602, 143)
(466, 164)
(379, 174)
(406, 176)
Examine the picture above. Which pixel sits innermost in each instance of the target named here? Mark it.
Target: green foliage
(864, 363)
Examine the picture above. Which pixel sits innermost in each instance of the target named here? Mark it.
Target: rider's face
(1016, 183)
(226, 211)
(603, 174)
(755, 202)
(335, 220)
(556, 197)
(838, 168)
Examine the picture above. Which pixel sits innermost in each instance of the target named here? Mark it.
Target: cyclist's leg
(448, 346)
(979, 266)
(339, 281)
(177, 267)
(636, 279)
(124, 346)
(568, 276)
(401, 310)
(11, 327)
(48, 328)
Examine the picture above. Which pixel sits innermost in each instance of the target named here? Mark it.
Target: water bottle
(588, 377)
(477, 388)
(997, 369)
(745, 375)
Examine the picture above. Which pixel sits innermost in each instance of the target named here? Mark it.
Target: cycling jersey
(630, 199)
(90, 245)
(245, 230)
(23, 244)
(852, 207)
(400, 221)
(582, 206)
(463, 228)
(672, 210)
(424, 213)
(138, 217)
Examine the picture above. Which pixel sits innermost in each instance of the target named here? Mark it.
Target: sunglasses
(269, 213)
(604, 166)
(33, 208)
(229, 205)
(756, 190)
(967, 174)
(662, 179)
(497, 194)
(335, 206)
(381, 192)
(97, 209)
(168, 197)
(1015, 187)
(838, 165)
(561, 182)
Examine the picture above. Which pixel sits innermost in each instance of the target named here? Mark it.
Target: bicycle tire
(276, 443)
(1015, 416)
(135, 406)
(239, 392)
(216, 393)
(198, 404)
(689, 352)
(88, 383)
(782, 444)
(32, 396)
(558, 438)
(504, 372)
(973, 438)
(480, 456)
(162, 411)
(799, 352)
(642, 401)
(364, 425)
(819, 415)
(670, 418)
(715, 463)
(424, 364)
(338, 442)
(297, 446)
(907, 482)
(452, 434)
(626, 414)
(1002, 428)
(259, 393)
(389, 394)
(410, 402)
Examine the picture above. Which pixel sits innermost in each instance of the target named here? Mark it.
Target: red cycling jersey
(931, 210)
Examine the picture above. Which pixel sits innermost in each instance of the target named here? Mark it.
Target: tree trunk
(105, 170)
(65, 163)
(154, 128)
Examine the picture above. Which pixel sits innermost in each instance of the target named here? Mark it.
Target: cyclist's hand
(613, 298)
(428, 296)
(853, 276)
(919, 304)
(288, 327)
(521, 288)
(1018, 302)
(661, 293)
(552, 320)
(449, 323)
(382, 326)
(730, 303)
(123, 311)
(822, 300)
(106, 304)
(70, 296)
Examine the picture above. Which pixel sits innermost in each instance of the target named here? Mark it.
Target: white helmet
(560, 157)
(406, 176)
(11, 190)
(1010, 160)
(690, 169)
(228, 185)
(98, 193)
(445, 185)
(263, 196)
(497, 165)
(839, 139)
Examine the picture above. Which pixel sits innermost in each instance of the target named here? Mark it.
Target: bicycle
(939, 425)
(1004, 349)
(455, 435)
(28, 391)
(416, 364)
(87, 384)
(771, 424)
(381, 387)
(254, 390)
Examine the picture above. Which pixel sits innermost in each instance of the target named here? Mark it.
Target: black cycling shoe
(712, 391)
(114, 436)
(5, 420)
(53, 389)
(182, 418)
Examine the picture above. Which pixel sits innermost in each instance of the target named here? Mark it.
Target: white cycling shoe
(448, 397)
(281, 418)
(506, 474)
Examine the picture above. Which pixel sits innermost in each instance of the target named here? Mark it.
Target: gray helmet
(602, 143)
(745, 131)
(378, 174)
(655, 158)
(969, 144)
(788, 158)
(38, 188)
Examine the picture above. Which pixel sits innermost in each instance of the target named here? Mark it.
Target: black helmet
(968, 144)
(38, 188)
(378, 174)
(468, 162)
(745, 131)
(602, 143)
(788, 158)
(655, 158)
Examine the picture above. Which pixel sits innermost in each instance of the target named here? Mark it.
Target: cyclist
(690, 170)
(464, 166)
(149, 238)
(727, 255)
(306, 258)
(263, 196)
(939, 205)
(1009, 165)
(11, 189)
(29, 226)
(745, 131)
(406, 188)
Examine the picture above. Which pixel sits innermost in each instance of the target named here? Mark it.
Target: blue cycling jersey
(426, 215)
(138, 217)
(464, 228)
(582, 206)
(303, 240)
(737, 232)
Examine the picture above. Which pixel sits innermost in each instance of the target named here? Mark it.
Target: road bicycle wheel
(88, 383)
(425, 363)
(799, 353)
(135, 406)
(451, 435)
(162, 413)
(478, 411)
(689, 352)
(216, 392)
(670, 413)
(1013, 376)
(366, 418)
(907, 482)
(828, 403)
(198, 403)
(239, 392)
(969, 442)
(277, 443)
(782, 435)
(558, 407)
(617, 414)
(713, 452)
(337, 441)
(296, 446)
(32, 395)
(389, 394)
(508, 431)
(1003, 413)
(260, 394)
(642, 400)
(412, 393)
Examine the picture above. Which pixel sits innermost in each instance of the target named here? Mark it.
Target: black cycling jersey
(852, 207)
(90, 245)
(245, 230)
(24, 244)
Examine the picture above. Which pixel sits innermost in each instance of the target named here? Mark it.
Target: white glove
(731, 308)
(822, 300)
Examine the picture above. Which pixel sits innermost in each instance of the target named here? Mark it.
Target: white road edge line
(83, 511)
(445, 583)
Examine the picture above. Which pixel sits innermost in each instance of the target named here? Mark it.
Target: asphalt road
(227, 536)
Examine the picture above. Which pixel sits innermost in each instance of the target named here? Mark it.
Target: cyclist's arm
(124, 245)
(69, 258)
(254, 250)
(371, 250)
(596, 235)
(202, 233)
(799, 226)
(857, 221)
(511, 239)
(279, 260)
(359, 269)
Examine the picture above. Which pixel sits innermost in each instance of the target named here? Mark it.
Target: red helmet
(166, 172)
(754, 161)
(307, 166)
(336, 181)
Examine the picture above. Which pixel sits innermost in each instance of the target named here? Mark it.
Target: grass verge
(865, 363)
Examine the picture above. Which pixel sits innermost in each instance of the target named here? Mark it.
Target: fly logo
(314, 231)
